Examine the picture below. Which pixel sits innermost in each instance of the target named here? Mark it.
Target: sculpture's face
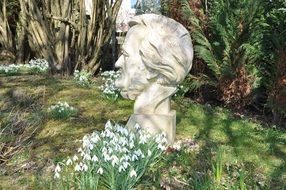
(133, 79)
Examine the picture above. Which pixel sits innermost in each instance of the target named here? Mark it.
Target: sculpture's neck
(155, 99)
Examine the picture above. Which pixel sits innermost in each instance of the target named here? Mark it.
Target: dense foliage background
(240, 52)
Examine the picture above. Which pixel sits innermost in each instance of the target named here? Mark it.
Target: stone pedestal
(155, 123)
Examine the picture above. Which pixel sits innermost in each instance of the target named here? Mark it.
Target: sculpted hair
(166, 50)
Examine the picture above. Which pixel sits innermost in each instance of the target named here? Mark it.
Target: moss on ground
(241, 139)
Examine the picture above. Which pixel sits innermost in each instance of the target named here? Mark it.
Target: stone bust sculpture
(157, 55)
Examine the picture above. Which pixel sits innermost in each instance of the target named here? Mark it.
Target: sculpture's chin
(124, 94)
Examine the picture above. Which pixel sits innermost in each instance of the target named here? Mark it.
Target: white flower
(138, 152)
(131, 145)
(134, 157)
(94, 138)
(143, 139)
(58, 168)
(131, 136)
(114, 160)
(57, 175)
(177, 145)
(84, 167)
(100, 171)
(77, 167)
(75, 158)
(123, 141)
(108, 125)
(108, 133)
(94, 158)
(123, 166)
(68, 162)
(133, 173)
(106, 156)
(137, 126)
(161, 147)
(149, 152)
(87, 157)
(90, 146)
(80, 150)
(85, 141)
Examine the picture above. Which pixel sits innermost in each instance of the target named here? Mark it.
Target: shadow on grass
(261, 149)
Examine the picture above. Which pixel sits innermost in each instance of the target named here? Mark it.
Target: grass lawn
(24, 101)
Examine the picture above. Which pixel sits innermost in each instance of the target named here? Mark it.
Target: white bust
(156, 56)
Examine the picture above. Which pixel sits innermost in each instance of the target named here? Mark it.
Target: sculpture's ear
(151, 75)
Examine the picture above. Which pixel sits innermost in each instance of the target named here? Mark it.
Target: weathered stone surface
(156, 56)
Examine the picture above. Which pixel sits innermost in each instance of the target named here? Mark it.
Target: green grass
(261, 150)
(243, 139)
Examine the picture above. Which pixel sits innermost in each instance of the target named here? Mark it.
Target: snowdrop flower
(80, 150)
(123, 141)
(94, 158)
(138, 152)
(100, 171)
(124, 150)
(133, 173)
(121, 169)
(137, 126)
(161, 147)
(123, 166)
(58, 168)
(95, 138)
(85, 141)
(68, 162)
(57, 175)
(75, 158)
(134, 157)
(108, 133)
(106, 157)
(131, 145)
(131, 136)
(177, 145)
(143, 139)
(77, 167)
(114, 160)
(84, 167)
(149, 152)
(104, 150)
(108, 125)
(87, 157)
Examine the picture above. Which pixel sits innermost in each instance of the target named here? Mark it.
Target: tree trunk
(6, 38)
(61, 32)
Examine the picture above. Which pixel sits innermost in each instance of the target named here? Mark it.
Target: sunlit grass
(242, 140)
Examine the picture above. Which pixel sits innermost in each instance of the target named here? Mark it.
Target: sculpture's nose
(119, 62)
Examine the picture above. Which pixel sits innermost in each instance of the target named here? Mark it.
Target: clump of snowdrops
(109, 90)
(83, 78)
(35, 66)
(9, 70)
(61, 110)
(115, 159)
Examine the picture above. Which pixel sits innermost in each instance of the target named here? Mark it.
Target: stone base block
(156, 124)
